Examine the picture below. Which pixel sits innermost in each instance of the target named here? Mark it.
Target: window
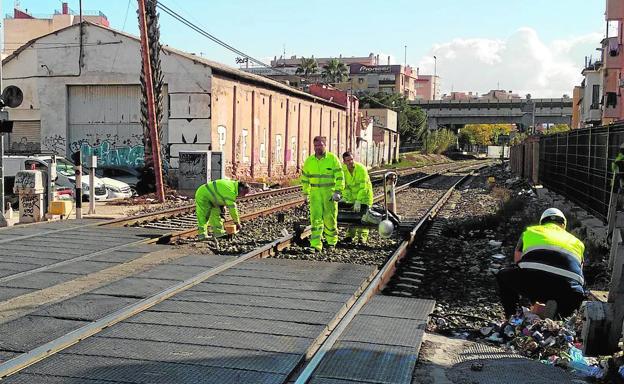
(221, 131)
(595, 100)
(611, 99)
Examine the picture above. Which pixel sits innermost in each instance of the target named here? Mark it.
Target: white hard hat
(553, 212)
(386, 228)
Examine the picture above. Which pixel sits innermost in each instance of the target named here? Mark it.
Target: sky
(527, 46)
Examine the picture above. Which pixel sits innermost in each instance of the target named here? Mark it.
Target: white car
(116, 189)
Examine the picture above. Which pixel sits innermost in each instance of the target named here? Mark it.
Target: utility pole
(151, 108)
(3, 222)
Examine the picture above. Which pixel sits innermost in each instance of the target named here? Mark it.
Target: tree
(556, 128)
(412, 120)
(482, 134)
(335, 72)
(307, 67)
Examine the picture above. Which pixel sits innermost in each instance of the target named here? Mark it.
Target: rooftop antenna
(284, 47)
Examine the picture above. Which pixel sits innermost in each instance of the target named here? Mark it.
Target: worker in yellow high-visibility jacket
(359, 192)
(322, 181)
(210, 198)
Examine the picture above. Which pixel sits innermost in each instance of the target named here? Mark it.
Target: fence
(575, 164)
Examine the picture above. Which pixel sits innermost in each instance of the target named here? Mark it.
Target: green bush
(439, 141)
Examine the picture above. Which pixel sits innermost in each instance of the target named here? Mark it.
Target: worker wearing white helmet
(549, 268)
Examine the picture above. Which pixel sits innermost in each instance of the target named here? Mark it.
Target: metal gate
(104, 120)
(25, 138)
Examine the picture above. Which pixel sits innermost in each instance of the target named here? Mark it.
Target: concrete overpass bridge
(523, 112)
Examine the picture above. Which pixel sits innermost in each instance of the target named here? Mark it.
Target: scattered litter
(499, 256)
(476, 367)
(495, 244)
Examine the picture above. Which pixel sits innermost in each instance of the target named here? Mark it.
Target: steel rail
(380, 279)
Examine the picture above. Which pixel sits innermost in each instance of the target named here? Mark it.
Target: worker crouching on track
(549, 268)
(210, 198)
(322, 181)
(359, 192)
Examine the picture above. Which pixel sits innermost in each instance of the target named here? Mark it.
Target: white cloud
(522, 63)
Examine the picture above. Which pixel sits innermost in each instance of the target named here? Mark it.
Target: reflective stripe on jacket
(224, 193)
(325, 172)
(551, 248)
(358, 186)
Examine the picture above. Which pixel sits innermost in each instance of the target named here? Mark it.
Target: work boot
(311, 250)
(551, 309)
(201, 237)
(347, 240)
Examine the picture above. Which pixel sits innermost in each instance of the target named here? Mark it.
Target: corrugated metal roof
(217, 68)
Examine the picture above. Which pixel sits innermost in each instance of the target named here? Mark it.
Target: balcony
(613, 55)
(615, 10)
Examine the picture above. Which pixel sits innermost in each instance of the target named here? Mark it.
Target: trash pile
(552, 342)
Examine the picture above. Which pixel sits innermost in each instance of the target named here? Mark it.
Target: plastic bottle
(579, 364)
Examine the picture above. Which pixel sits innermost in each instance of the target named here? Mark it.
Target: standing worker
(322, 182)
(359, 192)
(210, 198)
(549, 268)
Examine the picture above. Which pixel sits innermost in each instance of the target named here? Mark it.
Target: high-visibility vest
(551, 248)
(224, 193)
(323, 173)
(358, 186)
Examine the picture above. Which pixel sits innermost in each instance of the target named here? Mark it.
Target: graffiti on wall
(112, 150)
(55, 143)
(279, 156)
(22, 145)
(30, 207)
(222, 132)
(193, 165)
(244, 156)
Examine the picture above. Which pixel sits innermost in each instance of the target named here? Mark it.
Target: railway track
(182, 221)
(426, 211)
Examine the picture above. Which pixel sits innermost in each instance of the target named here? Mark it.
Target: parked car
(65, 171)
(117, 189)
(129, 176)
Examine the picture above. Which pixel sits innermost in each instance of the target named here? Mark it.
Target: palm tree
(307, 67)
(335, 71)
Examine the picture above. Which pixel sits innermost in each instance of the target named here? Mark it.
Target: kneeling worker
(549, 268)
(359, 192)
(210, 198)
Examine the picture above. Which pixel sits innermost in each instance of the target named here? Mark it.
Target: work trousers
(207, 213)
(355, 231)
(323, 217)
(536, 285)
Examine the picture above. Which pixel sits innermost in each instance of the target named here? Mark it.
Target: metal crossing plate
(39, 280)
(212, 337)
(144, 372)
(259, 301)
(301, 275)
(87, 307)
(363, 362)
(27, 378)
(286, 328)
(324, 380)
(385, 330)
(171, 272)
(297, 315)
(28, 332)
(118, 256)
(399, 307)
(133, 287)
(180, 353)
(83, 267)
(288, 284)
(7, 293)
(275, 292)
(500, 366)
